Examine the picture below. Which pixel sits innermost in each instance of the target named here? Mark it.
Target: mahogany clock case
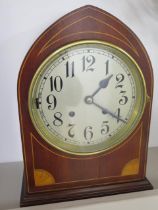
(51, 175)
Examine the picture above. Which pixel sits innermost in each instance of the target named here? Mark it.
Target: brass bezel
(124, 132)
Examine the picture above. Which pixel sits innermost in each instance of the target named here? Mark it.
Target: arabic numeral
(56, 83)
(119, 78)
(118, 114)
(70, 69)
(52, 101)
(88, 62)
(70, 131)
(124, 98)
(107, 67)
(105, 128)
(57, 119)
(88, 134)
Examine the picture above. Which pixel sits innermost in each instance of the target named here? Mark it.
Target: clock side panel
(48, 169)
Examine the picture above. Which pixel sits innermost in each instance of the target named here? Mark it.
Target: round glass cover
(87, 97)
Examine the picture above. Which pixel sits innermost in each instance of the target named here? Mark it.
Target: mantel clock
(85, 94)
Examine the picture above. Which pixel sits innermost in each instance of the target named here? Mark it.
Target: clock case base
(28, 199)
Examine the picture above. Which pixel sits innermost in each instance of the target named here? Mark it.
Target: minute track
(103, 102)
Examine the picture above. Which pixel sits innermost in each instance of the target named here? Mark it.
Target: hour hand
(102, 84)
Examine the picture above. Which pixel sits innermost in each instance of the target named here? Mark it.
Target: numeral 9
(52, 101)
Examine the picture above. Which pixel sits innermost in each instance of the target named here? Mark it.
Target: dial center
(89, 99)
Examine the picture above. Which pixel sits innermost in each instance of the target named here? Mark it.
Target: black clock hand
(89, 100)
(102, 84)
(107, 111)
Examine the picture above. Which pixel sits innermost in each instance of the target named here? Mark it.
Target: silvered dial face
(85, 98)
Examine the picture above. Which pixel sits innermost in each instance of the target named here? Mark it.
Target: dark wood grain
(74, 173)
(83, 193)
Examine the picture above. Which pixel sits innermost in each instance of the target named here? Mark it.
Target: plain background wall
(21, 22)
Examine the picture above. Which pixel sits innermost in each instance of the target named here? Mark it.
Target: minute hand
(102, 84)
(105, 110)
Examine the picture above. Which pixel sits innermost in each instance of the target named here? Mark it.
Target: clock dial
(85, 98)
